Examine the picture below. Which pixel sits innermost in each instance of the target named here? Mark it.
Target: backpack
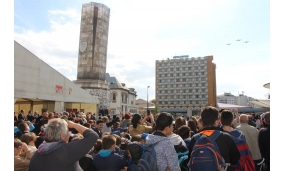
(182, 153)
(245, 162)
(206, 154)
(147, 162)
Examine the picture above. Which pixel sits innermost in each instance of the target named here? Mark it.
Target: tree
(153, 101)
(156, 110)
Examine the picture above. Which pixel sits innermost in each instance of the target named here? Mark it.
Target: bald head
(243, 118)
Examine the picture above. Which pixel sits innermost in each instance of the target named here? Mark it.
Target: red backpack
(245, 162)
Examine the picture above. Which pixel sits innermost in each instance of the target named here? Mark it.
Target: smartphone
(148, 112)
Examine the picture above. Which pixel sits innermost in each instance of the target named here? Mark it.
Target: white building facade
(122, 98)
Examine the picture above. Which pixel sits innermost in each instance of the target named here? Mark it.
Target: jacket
(264, 143)
(226, 144)
(165, 152)
(251, 136)
(139, 130)
(58, 156)
(22, 163)
(107, 160)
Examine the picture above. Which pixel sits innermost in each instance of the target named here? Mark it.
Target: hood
(151, 139)
(46, 148)
(237, 134)
(176, 139)
(105, 153)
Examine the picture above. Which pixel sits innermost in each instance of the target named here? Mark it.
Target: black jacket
(264, 143)
(226, 145)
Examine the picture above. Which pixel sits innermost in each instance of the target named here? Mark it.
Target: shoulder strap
(215, 135)
(197, 136)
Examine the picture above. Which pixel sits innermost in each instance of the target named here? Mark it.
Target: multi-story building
(143, 105)
(186, 83)
(227, 98)
(122, 98)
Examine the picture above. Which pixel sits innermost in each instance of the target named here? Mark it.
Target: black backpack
(182, 154)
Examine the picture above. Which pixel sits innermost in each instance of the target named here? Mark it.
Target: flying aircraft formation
(238, 41)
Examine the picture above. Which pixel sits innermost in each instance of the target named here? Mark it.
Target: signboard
(58, 89)
(183, 56)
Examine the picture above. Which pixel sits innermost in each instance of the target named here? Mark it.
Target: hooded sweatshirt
(59, 155)
(108, 160)
(165, 152)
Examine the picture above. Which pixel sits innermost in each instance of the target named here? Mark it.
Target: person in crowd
(250, 121)
(29, 138)
(50, 115)
(15, 117)
(192, 125)
(225, 143)
(22, 155)
(83, 117)
(134, 150)
(264, 141)
(87, 125)
(22, 115)
(97, 147)
(251, 136)
(178, 123)
(185, 133)
(29, 115)
(138, 125)
(127, 120)
(98, 128)
(39, 141)
(107, 126)
(107, 159)
(166, 159)
(55, 153)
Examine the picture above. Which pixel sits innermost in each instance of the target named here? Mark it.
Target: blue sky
(143, 31)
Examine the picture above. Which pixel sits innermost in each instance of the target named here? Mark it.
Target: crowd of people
(78, 141)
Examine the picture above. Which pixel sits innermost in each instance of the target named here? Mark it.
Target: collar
(159, 134)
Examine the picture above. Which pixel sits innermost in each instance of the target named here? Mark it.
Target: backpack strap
(215, 135)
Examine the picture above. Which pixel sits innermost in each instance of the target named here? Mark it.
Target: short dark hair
(99, 121)
(227, 117)
(184, 131)
(163, 120)
(118, 139)
(267, 117)
(22, 126)
(108, 141)
(209, 116)
(87, 125)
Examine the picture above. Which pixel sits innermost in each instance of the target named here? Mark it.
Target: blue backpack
(147, 161)
(206, 154)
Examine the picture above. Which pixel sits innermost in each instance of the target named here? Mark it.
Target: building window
(183, 69)
(184, 91)
(196, 68)
(196, 62)
(160, 102)
(183, 85)
(190, 74)
(159, 81)
(177, 91)
(203, 96)
(165, 75)
(171, 75)
(197, 79)
(196, 96)
(190, 101)
(159, 70)
(165, 86)
(165, 91)
(159, 86)
(171, 91)
(114, 96)
(189, 68)
(165, 64)
(189, 62)
(197, 84)
(190, 85)
(203, 90)
(159, 75)
(190, 90)
(171, 69)
(177, 69)
(196, 90)
(191, 96)
(177, 85)
(165, 70)
(183, 79)
(184, 97)
(160, 91)
(203, 79)
(202, 67)
(172, 80)
(172, 97)
(183, 74)
(203, 84)
(196, 73)
(171, 85)
(190, 79)
(177, 96)
(177, 79)
(177, 74)
(202, 73)
(166, 102)
(178, 102)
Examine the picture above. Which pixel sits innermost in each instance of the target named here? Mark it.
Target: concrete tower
(92, 56)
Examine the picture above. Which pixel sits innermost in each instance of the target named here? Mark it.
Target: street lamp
(147, 100)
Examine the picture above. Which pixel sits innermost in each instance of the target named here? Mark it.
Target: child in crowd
(107, 159)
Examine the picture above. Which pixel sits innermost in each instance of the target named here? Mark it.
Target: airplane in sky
(246, 41)
(228, 44)
(238, 40)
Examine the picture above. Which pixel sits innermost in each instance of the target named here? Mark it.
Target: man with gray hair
(55, 153)
(251, 136)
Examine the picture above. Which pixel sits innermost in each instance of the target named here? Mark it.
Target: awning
(230, 106)
(261, 103)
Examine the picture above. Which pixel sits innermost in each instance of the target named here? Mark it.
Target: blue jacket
(107, 160)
